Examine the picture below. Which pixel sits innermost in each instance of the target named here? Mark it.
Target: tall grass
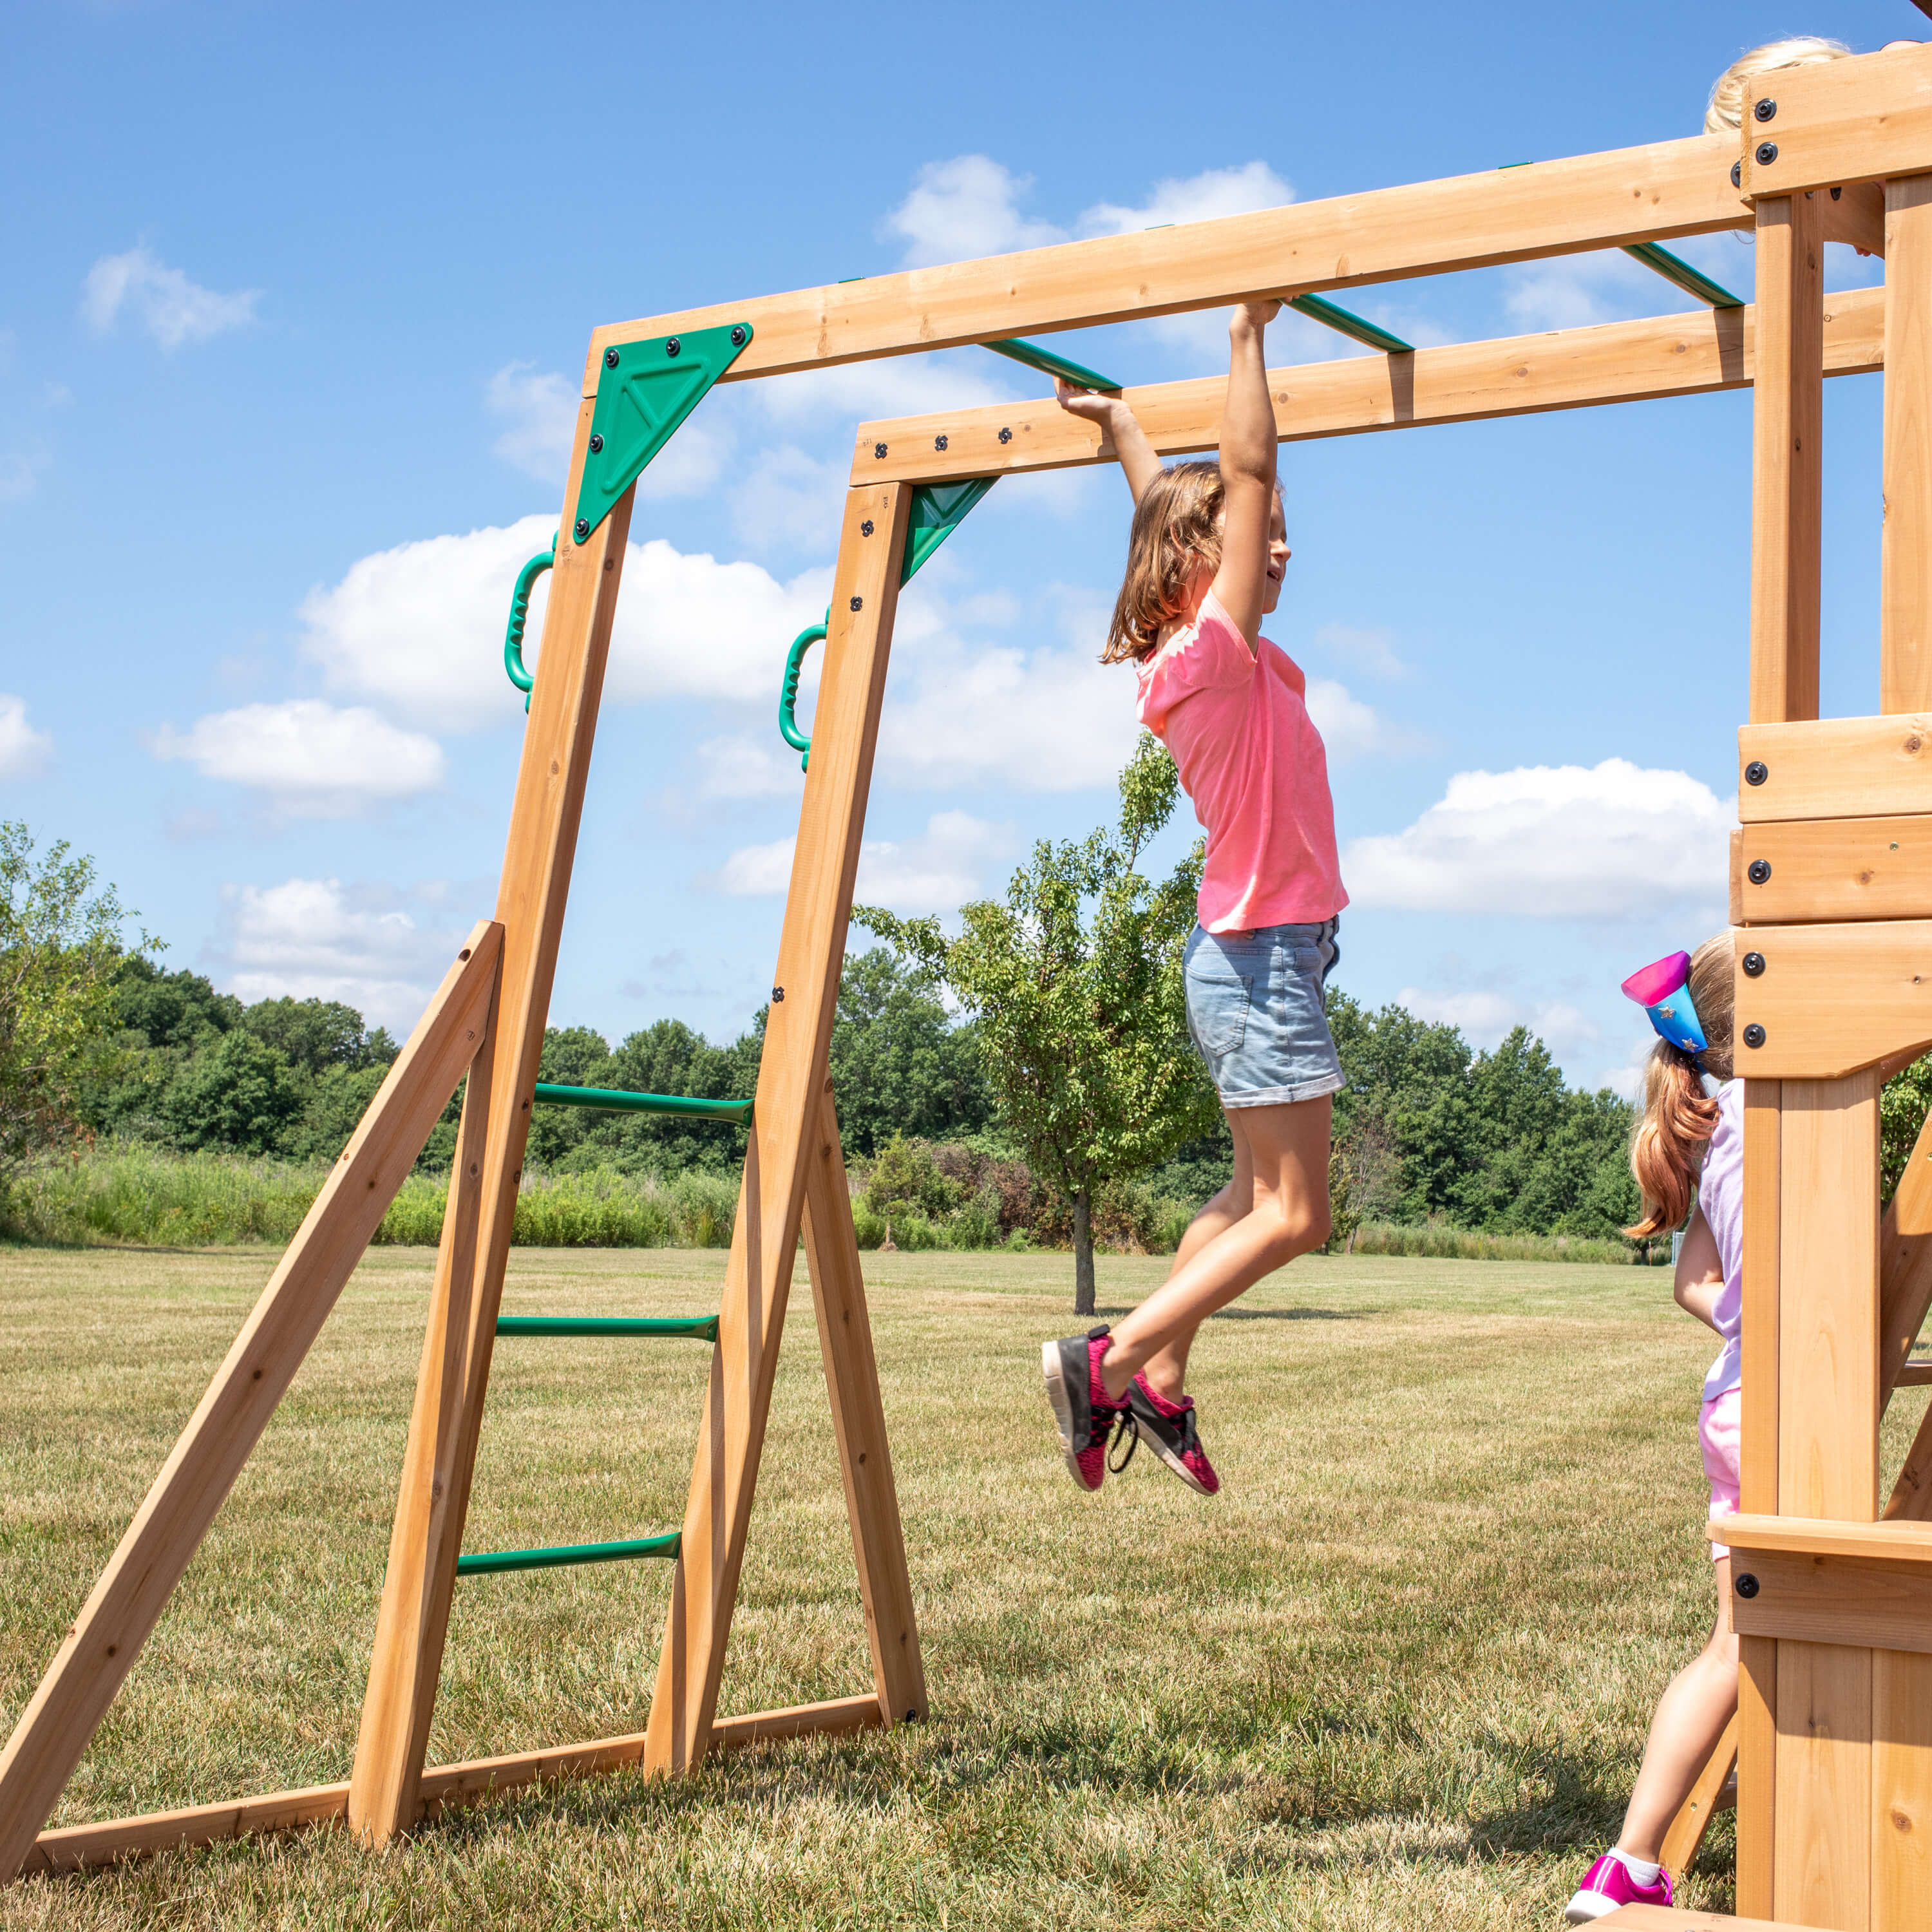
(147, 1198)
(1433, 1243)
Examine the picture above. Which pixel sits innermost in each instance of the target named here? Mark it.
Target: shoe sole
(1061, 1403)
(1174, 1463)
(1587, 1907)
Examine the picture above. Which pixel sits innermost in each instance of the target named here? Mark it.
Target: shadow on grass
(1262, 1314)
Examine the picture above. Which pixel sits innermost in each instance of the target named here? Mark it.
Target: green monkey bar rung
(699, 1327)
(735, 1111)
(1674, 268)
(488, 1563)
(1345, 321)
(1019, 350)
(938, 509)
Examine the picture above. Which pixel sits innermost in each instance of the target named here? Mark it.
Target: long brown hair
(1667, 1149)
(1176, 531)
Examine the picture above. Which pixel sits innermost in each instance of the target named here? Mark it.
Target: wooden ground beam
(100, 1648)
(786, 1120)
(443, 1788)
(530, 900)
(1698, 354)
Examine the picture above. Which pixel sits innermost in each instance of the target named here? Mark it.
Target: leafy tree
(318, 1033)
(240, 1092)
(900, 1065)
(61, 949)
(337, 1098)
(1076, 981)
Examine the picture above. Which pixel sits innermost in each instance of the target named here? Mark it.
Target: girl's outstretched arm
(1121, 427)
(1247, 470)
(1700, 1273)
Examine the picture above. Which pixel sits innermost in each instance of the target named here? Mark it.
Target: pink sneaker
(1085, 1412)
(1607, 1885)
(1171, 1433)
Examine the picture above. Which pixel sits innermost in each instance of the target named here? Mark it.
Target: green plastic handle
(813, 634)
(519, 611)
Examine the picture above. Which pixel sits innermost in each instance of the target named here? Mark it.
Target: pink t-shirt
(1720, 1193)
(1251, 759)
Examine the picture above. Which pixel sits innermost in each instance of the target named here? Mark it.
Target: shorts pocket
(1217, 1011)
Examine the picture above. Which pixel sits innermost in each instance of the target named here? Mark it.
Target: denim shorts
(1254, 1008)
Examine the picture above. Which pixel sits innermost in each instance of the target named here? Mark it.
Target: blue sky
(295, 299)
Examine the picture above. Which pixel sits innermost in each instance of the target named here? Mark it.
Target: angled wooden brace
(106, 1637)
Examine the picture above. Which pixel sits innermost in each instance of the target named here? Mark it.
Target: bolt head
(1756, 772)
(1746, 1585)
(610, 358)
(939, 442)
(582, 527)
(1758, 872)
(1766, 110)
(673, 346)
(858, 603)
(865, 528)
(879, 451)
(1753, 963)
(1737, 174)
(738, 337)
(1753, 1036)
(1005, 436)
(1767, 153)
(778, 993)
(596, 444)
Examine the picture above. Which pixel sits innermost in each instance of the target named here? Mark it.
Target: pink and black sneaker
(1171, 1431)
(1609, 1883)
(1086, 1414)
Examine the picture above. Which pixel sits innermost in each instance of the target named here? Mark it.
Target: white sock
(1641, 1869)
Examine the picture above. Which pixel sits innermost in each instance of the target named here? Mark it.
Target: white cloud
(936, 872)
(750, 765)
(538, 409)
(1613, 841)
(790, 498)
(313, 938)
(171, 308)
(1484, 1018)
(1202, 197)
(419, 628)
(966, 207)
(19, 475)
(1349, 728)
(25, 752)
(1371, 651)
(311, 759)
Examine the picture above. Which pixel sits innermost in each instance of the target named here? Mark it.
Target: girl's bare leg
(1691, 1718)
(1167, 1370)
(1288, 1160)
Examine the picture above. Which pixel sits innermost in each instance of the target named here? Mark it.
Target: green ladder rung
(700, 1328)
(735, 1111)
(561, 1555)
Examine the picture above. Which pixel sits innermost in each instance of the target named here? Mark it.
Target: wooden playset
(1830, 890)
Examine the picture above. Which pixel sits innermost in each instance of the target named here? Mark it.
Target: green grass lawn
(1397, 1675)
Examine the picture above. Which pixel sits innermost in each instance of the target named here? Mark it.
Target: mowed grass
(1397, 1675)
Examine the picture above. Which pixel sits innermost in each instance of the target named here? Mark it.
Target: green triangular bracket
(938, 509)
(644, 390)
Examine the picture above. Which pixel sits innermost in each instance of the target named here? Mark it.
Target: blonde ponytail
(1667, 1149)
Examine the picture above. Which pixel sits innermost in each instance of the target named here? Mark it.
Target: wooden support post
(1682, 1842)
(785, 1121)
(1905, 595)
(1787, 421)
(859, 1425)
(1901, 1882)
(100, 1648)
(444, 1425)
(431, 1504)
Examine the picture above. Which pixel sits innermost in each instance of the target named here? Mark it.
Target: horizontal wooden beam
(1908, 1542)
(1522, 375)
(1836, 768)
(1821, 1002)
(1839, 122)
(1650, 194)
(1797, 872)
(80, 1847)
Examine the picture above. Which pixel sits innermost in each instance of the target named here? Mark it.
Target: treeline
(1428, 1132)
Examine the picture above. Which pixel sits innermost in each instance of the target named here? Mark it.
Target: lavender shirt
(1721, 1194)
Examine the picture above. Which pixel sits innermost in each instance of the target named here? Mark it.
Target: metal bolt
(865, 528)
(1767, 153)
(673, 346)
(582, 528)
(1746, 1585)
(1737, 174)
(738, 337)
(1756, 772)
(1758, 872)
(939, 442)
(858, 603)
(778, 994)
(1005, 436)
(1753, 963)
(1753, 1036)
(610, 358)
(1766, 110)
(596, 444)
(879, 451)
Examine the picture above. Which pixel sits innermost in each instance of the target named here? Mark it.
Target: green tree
(61, 951)
(1076, 982)
(240, 1093)
(318, 1033)
(900, 1065)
